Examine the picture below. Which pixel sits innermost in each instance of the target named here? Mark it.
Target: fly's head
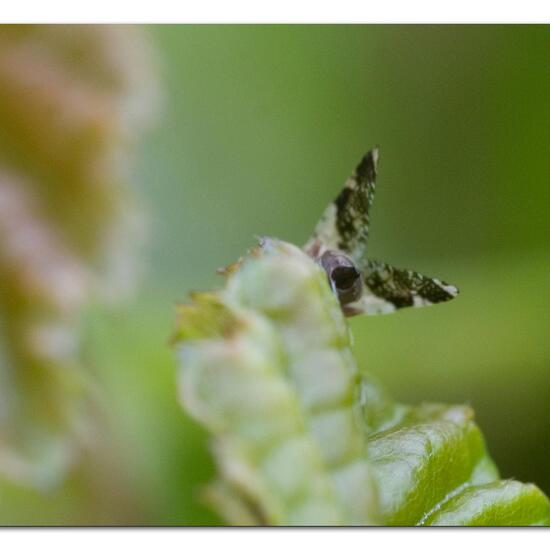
(344, 277)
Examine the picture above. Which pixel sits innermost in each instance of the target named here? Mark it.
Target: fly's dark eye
(344, 277)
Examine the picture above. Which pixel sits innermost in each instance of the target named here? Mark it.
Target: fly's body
(339, 245)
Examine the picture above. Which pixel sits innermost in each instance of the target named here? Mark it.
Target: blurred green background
(261, 126)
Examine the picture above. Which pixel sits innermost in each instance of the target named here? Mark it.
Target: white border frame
(281, 11)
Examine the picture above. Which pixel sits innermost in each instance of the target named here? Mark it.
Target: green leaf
(498, 503)
(303, 436)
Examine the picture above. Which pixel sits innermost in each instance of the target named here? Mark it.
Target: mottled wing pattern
(344, 225)
(387, 289)
(344, 229)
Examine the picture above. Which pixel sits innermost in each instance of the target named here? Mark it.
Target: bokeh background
(259, 127)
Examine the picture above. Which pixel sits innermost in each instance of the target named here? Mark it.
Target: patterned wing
(387, 289)
(344, 225)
